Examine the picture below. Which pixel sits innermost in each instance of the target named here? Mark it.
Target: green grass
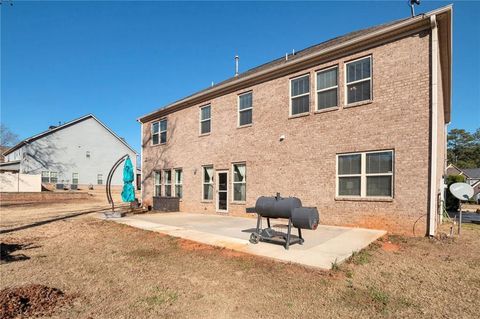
(161, 297)
(360, 258)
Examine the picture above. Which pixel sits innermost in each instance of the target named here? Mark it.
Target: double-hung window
(300, 95)
(99, 179)
(359, 80)
(167, 182)
(327, 88)
(53, 177)
(178, 183)
(45, 177)
(157, 182)
(239, 182)
(367, 174)
(207, 191)
(159, 132)
(245, 109)
(205, 119)
(75, 178)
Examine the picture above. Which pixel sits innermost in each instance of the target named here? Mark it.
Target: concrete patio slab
(322, 247)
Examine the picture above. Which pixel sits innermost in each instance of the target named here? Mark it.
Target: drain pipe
(432, 221)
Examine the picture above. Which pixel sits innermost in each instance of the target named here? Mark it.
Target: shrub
(451, 202)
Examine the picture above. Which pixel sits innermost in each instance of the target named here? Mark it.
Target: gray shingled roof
(472, 172)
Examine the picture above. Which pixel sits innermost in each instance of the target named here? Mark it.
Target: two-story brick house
(355, 126)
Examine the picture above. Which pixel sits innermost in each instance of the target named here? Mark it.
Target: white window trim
(74, 178)
(167, 183)
(204, 120)
(99, 179)
(50, 177)
(326, 89)
(47, 176)
(346, 84)
(211, 183)
(233, 182)
(300, 95)
(175, 181)
(159, 132)
(155, 184)
(363, 175)
(247, 109)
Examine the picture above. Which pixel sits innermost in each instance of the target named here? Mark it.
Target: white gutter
(141, 163)
(432, 211)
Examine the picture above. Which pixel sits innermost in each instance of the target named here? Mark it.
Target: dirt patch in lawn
(116, 271)
(31, 300)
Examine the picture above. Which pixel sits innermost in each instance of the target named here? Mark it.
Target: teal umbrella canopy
(128, 192)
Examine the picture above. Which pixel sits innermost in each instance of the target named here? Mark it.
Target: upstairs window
(368, 174)
(359, 81)
(300, 95)
(327, 88)
(178, 183)
(45, 177)
(168, 182)
(207, 183)
(205, 119)
(53, 177)
(157, 183)
(159, 132)
(245, 109)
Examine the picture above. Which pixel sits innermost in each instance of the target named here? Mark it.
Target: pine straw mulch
(31, 301)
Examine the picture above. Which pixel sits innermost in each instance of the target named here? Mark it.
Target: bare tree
(7, 137)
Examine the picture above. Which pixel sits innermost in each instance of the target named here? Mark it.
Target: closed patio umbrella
(128, 192)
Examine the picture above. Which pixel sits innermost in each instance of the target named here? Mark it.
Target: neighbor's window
(75, 178)
(87, 154)
(359, 81)
(239, 182)
(99, 179)
(207, 183)
(45, 177)
(159, 132)
(53, 177)
(205, 119)
(300, 95)
(167, 179)
(178, 183)
(157, 183)
(245, 109)
(327, 88)
(367, 174)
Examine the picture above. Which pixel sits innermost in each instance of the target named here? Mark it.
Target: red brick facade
(304, 163)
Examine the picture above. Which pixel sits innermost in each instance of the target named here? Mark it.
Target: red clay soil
(31, 300)
(389, 246)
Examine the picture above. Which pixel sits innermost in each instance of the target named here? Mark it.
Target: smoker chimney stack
(236, 65)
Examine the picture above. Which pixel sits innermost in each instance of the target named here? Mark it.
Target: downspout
(432, 214)
(141, 162)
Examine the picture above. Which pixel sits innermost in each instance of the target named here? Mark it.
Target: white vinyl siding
(205, 119)
(327, 88)
(358, 80)
(239, 182)
(245, 109)
(366, 174)
(300, 95)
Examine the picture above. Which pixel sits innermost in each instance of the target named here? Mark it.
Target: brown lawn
(109, 270)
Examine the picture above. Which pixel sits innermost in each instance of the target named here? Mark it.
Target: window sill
(299, 115)
(206, 201)
(330, 109)
(238, 203)
(245, 126)
(159, 144)
(363, 199)
(358, 104)
(204, 134)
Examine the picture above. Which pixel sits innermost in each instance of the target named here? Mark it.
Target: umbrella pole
(108, 185)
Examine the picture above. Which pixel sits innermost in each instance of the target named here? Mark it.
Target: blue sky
(120, 60)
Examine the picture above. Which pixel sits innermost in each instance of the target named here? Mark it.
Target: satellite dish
(462, 191)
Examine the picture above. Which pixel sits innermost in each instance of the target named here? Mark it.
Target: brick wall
(304, 163)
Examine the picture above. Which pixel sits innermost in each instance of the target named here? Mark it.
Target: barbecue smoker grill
(288, 208)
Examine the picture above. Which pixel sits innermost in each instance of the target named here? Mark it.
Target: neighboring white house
(80, 152)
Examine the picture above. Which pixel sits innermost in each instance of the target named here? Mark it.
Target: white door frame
(217, 190)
